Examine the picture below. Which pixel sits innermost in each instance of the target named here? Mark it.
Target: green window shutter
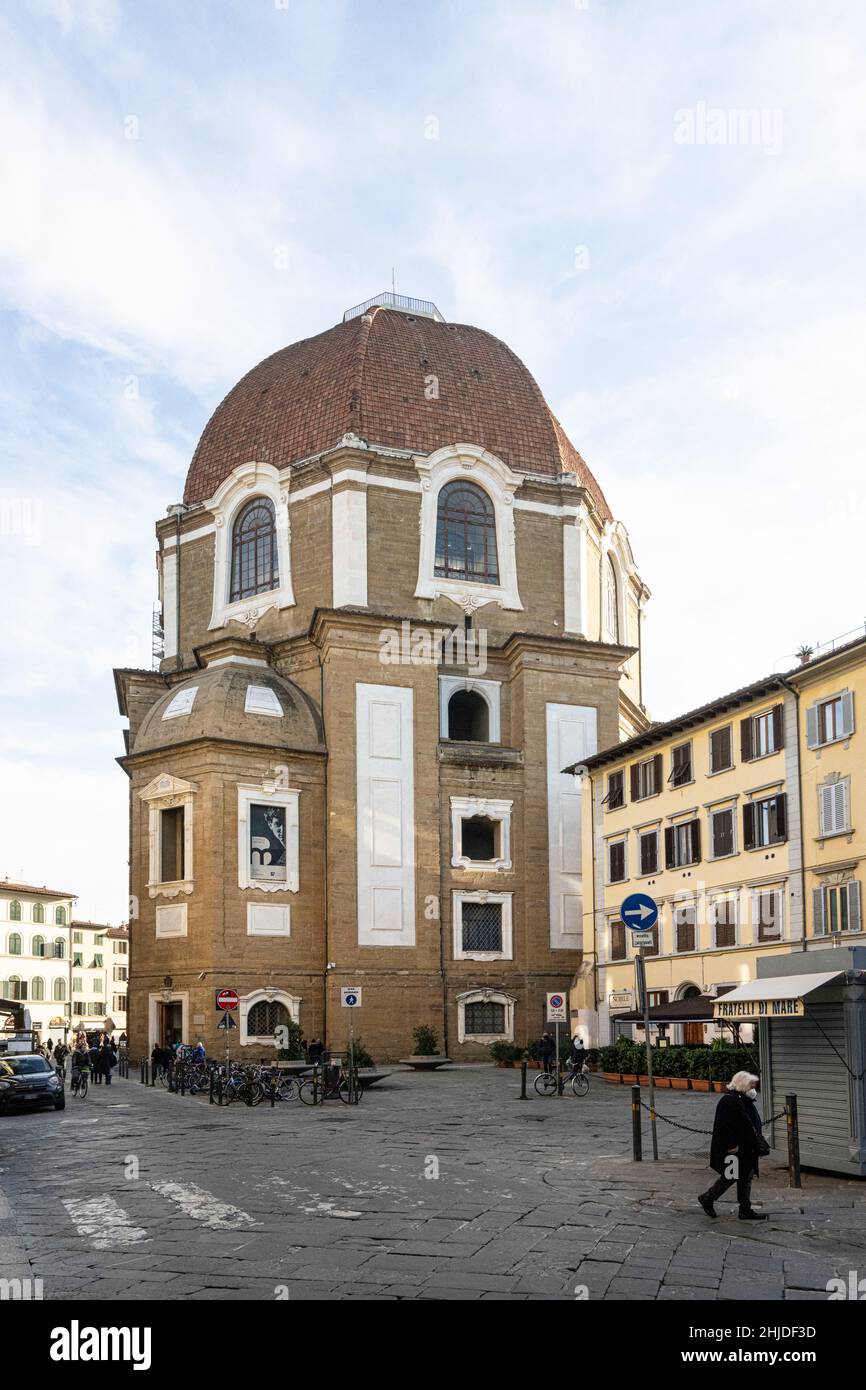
(854, 917)
(818, 911)
(812, 734)
(847, 698)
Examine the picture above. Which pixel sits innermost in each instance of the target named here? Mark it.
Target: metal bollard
(522, 1095)
(273, 1090)
(560, 1079)
(315, 1085)
(220, 1089)
(210, 1088)
(793, 1125)
(637, 1148)
(183, 1078)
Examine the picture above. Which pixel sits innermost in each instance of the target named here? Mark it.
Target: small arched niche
(468, 717)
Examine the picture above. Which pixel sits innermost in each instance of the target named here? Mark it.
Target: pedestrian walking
(548, 1052)
(735, 1146)
(316, 1052)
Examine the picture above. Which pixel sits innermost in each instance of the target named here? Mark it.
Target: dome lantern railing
(389, 300)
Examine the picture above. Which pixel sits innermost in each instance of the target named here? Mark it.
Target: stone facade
(358, 736)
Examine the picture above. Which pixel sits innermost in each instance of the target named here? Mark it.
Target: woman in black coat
(734, 1146)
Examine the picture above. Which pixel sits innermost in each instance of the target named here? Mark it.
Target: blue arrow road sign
(640, 912)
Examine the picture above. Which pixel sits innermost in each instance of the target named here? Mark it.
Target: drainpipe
(796, 694)
(177, 510)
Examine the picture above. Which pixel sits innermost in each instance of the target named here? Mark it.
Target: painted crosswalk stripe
(202, 1205)
(102, 1222)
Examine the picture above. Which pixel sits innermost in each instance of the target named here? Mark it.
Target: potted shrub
(609, 1063)
(679, 1077)
(699, 1069)
(505, 1054)
(426, 1056)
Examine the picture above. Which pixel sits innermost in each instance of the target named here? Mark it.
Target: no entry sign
(227, 999)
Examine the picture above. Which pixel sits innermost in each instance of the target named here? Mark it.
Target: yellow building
(831, 689)
(702, 813)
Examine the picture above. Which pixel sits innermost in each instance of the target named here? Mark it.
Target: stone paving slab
(534, 1199)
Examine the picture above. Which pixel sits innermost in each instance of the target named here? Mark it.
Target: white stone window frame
(270, 996)
(713, 901)
(490, 692)
(485, 996)
(616, 549)
(165, 996)
(288, 797)
(243, 485)
(481, 895)
(465, 807)
(779, 890)
(475, 465)
(162, 794)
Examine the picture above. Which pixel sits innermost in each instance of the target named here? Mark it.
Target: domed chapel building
(395, 606)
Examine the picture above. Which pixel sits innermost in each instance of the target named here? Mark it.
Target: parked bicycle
(547, 1083)
(330, 1083)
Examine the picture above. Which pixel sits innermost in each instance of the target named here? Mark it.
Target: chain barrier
(677, 1124)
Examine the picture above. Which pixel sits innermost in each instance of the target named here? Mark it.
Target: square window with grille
(482, 926)
(484, 1018)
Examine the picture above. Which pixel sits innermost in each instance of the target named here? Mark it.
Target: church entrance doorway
(170, 1023)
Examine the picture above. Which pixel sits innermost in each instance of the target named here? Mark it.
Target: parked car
(29, 1081)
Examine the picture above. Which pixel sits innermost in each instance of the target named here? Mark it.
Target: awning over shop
(698, 1008)
(778, 996)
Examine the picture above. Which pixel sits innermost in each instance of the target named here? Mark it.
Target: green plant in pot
(426, 1041)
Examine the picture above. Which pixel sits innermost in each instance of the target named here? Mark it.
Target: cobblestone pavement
(136, 1193)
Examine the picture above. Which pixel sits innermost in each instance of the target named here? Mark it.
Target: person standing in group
(736, 1143)
(548, 1052)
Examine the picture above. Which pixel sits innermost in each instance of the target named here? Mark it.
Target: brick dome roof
(219, 707)
(367, 377)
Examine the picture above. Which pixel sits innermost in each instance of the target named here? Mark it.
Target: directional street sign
(227, 999)
(227, 1023)
(350, 998)
(557, 1008)
(639, 912)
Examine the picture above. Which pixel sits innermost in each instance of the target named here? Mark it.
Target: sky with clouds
(188, 187)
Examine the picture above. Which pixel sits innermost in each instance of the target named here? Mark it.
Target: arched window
(15, 911)
(16, 989)
(38, 912)
(59, 948)
(38, 946)
(466, 534)
(468, 717)
(611, 602)
(15, 944)
(60, 916)
(265, 1018)
(255, 567)
(59, 991)
(37, 988)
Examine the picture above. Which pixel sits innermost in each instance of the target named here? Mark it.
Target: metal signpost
(557, 1012)
(351, 999)
(640, 913)
(227, 1002)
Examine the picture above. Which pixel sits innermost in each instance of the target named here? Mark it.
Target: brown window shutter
(749, 826)
(670, 848)
(777, 726)
(657, 772)
(746, 740)
(696, 841)
(635, 785)
(782, 816)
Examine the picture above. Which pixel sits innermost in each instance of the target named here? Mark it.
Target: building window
(37, 946)
(17, 989)
(60, 917)
(834, 807)
(761, 734)
(480, 833)
(120, 972)
(255, 567)
(119, 1004)
(59, 991)
(681, 765)
(836, 907)
(77, 984)
(722, 824)
(684, 928)
(38, 912)
(466, 534)
(171, 838)
(78, 959)
(484, 1017)
(765, 822)
(618, 949)
(724, 922)
(37, 989)
(611, 602)
(646, 778)
(482, 926)
(78, 938)
(615, 791)
(650, 944)
(649, 851)
(264, 1018)
(15, 911)
(469, 710)
(721, 749)
(616, 862)
(830, 720)
(14, 944)
(682, 844)
(768, 915)
(59, 948)
(268, 839)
